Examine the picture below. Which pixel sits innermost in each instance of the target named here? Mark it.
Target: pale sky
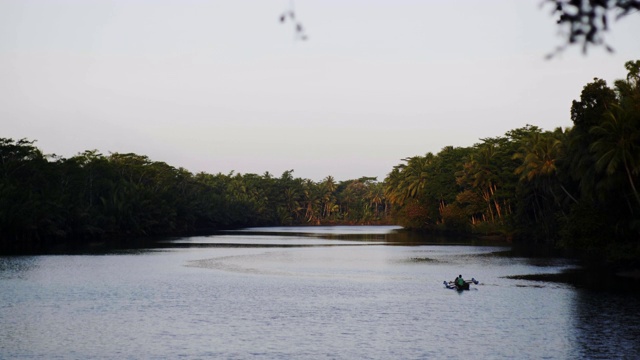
(217, 86)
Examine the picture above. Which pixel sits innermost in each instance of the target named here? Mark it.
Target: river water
(305, 293)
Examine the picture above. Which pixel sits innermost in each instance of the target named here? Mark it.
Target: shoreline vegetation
(575, 189)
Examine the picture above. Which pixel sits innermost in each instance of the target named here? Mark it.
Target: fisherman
(460, 281)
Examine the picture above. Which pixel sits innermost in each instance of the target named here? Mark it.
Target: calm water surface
(305, 293)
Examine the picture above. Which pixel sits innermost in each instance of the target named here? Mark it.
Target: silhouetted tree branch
(587, 20)
(290, 15)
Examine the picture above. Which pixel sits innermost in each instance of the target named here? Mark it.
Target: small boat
(452, 285)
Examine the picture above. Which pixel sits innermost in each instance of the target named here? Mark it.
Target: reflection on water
(18, 266)
(355, 230)
(327, 235)
(354, 233)
(306, 293)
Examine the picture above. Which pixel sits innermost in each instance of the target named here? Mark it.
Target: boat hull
(462, 287)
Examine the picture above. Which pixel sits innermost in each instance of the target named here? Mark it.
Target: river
(364, 292)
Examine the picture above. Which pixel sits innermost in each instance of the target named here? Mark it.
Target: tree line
(46, 200)
(576, 187)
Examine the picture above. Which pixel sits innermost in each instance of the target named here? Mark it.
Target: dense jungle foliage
(575, 187)
(48, 200)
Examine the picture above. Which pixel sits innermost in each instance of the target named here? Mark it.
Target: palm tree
(392, 185)
(539, 154)
(311, 201)
(328, 186)
(416, 174)
(618, 145)
(483, 176)
(375, 194)
(406, 181)
(292, 205)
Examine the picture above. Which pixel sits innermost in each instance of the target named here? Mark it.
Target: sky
(219, 86)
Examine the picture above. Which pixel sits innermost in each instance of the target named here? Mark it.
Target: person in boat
(460, 281)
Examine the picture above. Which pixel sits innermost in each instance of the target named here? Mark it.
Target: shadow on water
(606, 325)
(589, 279)
(337, 235)
(532, 251)
(103, 247)
(387, 235)
(412, 238)
(18, 266)
(422, 260)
